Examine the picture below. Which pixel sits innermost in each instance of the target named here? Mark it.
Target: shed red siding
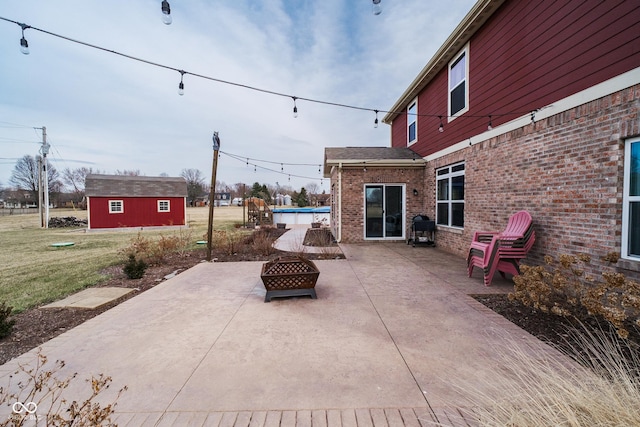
(528, 55)
(138, 212)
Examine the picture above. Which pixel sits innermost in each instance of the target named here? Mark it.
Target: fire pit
(289, 276)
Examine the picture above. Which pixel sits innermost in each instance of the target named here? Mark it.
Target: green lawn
(32, 272)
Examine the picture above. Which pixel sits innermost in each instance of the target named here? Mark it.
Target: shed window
(163, 206)
(116, 206)
(631, 201)
(412, 122)
(458, 84)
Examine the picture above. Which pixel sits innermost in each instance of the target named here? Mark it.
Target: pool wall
(295, 216)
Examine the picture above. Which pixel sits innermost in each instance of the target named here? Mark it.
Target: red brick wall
(353, 181)
(566, 170)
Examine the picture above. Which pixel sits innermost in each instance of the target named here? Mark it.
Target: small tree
(302, 199)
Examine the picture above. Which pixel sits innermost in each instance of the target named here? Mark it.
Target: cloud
(116, 113)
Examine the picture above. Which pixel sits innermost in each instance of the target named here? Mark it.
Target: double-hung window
(450, 196)
(412, 122)
(163, 206)
(459, 84)
(116, 206)
(631, 201)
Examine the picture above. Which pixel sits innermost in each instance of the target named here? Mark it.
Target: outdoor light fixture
(295, 108)
(375, 122)
(181, 84)
(377, 9)
(415, 192)
(166, 13)
(24, 45)
(441, 127)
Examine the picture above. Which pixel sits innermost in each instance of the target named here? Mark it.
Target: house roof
(375, 156)
(134, 186)
(472, 22)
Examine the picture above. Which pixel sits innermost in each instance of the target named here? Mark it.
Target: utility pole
(45, 150)
(212, 192)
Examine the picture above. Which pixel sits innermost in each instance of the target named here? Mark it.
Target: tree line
(68, 186)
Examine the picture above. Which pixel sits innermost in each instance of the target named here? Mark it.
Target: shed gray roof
(134, 186)
(382, 156)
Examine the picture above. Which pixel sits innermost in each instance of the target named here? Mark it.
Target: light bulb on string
(295, 107)
(24, 45)
(377, 9)
(166, 12)
(375, 122)
(441, 127)
(181, 84)
(489, 127)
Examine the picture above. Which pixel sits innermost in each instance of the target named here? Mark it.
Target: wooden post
(212, 193)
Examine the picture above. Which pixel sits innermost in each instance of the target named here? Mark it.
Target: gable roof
(134, 186)
(471, 23)
(375, 156)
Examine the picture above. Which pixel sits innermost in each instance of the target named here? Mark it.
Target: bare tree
(128, 172)
(75, 180)
(25, 175)
(312, 188)
(195, 184)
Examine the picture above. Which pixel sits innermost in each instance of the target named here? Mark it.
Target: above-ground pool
(302, 215)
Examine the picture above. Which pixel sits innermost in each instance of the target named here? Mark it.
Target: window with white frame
(631, 201)
(116, 206)
(412, 122)
(450, 195)
(459, 84)
(163, 206)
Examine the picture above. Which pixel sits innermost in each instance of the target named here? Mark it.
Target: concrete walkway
(389, 342)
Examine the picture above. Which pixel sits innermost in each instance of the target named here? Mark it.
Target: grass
(602, 390)
(32, 272)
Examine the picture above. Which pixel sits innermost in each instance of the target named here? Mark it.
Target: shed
(118, 201)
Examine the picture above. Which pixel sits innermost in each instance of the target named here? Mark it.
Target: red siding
(138, 212)
(527, 55)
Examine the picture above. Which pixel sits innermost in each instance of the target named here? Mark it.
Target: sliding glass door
(384, 211)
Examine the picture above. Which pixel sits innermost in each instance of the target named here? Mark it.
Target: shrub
(43, 390)
(155, 251)
(6, 324)
(535, 388)
(228, 241)
(564, 288)
(134, 269)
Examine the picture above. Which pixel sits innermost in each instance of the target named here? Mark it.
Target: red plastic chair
(502, 251)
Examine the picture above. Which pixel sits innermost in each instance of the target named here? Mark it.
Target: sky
(108, 112)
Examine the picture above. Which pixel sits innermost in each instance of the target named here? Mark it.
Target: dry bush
(564, 288)
(262, 241)
(536, 389)
(155, 251)
(227, 241)
(40, 400)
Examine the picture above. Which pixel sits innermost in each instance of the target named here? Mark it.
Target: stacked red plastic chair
(502, 251)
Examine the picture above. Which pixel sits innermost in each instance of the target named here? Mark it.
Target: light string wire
(256, 166)
(253, 88)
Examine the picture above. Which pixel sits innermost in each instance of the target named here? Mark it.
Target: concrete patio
(389, 341)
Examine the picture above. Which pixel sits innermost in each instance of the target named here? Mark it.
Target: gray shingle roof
(372, 155)
(134, 186)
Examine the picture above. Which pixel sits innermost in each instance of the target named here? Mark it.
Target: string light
(377, 9)
(166, 12)
(24, 48)
(375, 122)
(24, 45)
(490, 126)
(533, 116)
(181, 85)
(441, 127)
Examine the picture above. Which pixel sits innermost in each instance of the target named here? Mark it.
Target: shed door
(384, 211)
